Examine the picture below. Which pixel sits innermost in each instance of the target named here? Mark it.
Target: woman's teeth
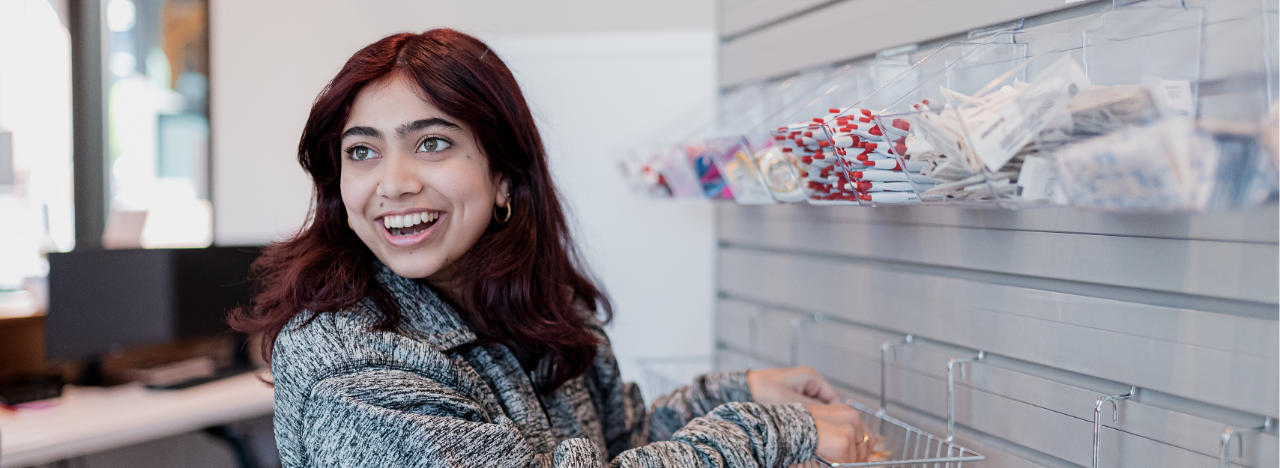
(409, 224)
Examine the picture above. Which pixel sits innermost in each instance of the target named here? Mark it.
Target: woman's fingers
(807, 401)
(861, 440)
(863, 445)
(816, 386)
(791, 385)
(860, 444)
(869, 446)
(826, 392)
(842, 435)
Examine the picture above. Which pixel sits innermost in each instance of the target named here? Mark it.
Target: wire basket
(662, 375)
(902, 444)
(908, 447)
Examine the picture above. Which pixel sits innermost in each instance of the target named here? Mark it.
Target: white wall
(598, 75)
(593, 93)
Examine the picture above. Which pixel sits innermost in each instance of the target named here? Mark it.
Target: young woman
(433, 312)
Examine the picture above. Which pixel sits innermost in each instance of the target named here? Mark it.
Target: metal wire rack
(901, 444)
(662, 375)
(904, 446)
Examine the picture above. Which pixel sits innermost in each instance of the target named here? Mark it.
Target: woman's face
(417, 187)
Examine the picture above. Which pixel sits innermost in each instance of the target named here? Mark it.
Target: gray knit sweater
(427, 395)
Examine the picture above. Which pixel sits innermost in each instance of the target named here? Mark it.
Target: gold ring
(865, 438)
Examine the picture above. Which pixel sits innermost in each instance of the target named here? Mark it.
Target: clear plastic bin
(736, 163)
(791, 156)
(918, 116)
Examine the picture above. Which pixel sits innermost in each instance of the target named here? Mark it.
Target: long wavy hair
(521, 283)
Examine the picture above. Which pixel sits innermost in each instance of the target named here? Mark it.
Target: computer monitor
(109, 299)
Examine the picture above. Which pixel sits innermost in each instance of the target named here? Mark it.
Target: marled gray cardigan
(427, 395)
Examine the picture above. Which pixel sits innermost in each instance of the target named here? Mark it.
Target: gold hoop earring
(504, 219)
(349, 226)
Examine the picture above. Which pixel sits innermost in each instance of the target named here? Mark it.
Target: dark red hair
(519, 283)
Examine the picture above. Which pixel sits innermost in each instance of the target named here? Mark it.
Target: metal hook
(885, 348)
(753, 330)
(1115, 417)
(951, 391)
(797, 327)
(1224, 445)
(797, 334)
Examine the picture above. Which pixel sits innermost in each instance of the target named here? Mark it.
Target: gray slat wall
(1069, 305)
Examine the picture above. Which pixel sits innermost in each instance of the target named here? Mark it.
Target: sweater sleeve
(383, 417)
(710, 423)
(733, 435)
(386, 417)
(672, 411)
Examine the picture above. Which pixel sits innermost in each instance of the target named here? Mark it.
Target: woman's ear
(503, 197)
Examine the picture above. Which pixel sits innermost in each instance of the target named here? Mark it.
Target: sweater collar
(425, 315)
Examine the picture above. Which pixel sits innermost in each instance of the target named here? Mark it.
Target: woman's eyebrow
(423, 125)
(362, 131)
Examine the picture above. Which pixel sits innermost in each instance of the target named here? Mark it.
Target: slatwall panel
(1067, 305)
(847, 29)
(1172, 306)
(745, 16)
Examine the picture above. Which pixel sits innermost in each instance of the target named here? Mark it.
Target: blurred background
(148, 153)
(201, 105)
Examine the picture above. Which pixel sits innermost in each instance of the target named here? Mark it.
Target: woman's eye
(433, 144)
(361, 153)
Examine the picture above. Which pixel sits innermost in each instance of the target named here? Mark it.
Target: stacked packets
(875, 173)
(808, 146)
(848, 156)
(1029, 174)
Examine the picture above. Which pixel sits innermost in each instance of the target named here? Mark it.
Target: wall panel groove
(1165, 298)
(854, 353)
(1057, 343)
(1070, 304)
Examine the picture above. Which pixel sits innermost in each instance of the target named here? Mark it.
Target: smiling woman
(409, 323)
(433, 124)
(416, 186)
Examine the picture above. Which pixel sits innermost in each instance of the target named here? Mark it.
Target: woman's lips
(411, 239)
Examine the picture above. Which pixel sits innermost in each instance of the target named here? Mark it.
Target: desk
(90, 420)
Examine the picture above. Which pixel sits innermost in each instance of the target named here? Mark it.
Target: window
(35, 139)
(157, 123)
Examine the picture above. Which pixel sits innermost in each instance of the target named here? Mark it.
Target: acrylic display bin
(1210, 74)
(785, 95)
(882, 122)
(1132, 67)
(786, 145)
(1207, 79)
(1016, 117)
(1152, 131)
(741, 109)
(746, 158)
(633, 165)
(755, 169)
(1158, 46)
(701, 161)
(935, 87)
(669, 169)
(806, 126)
(735, 162)
(813, 122)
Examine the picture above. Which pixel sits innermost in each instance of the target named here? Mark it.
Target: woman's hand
(842, 436)
(793, 385)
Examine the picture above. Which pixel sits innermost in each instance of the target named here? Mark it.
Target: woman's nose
(398, 177)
